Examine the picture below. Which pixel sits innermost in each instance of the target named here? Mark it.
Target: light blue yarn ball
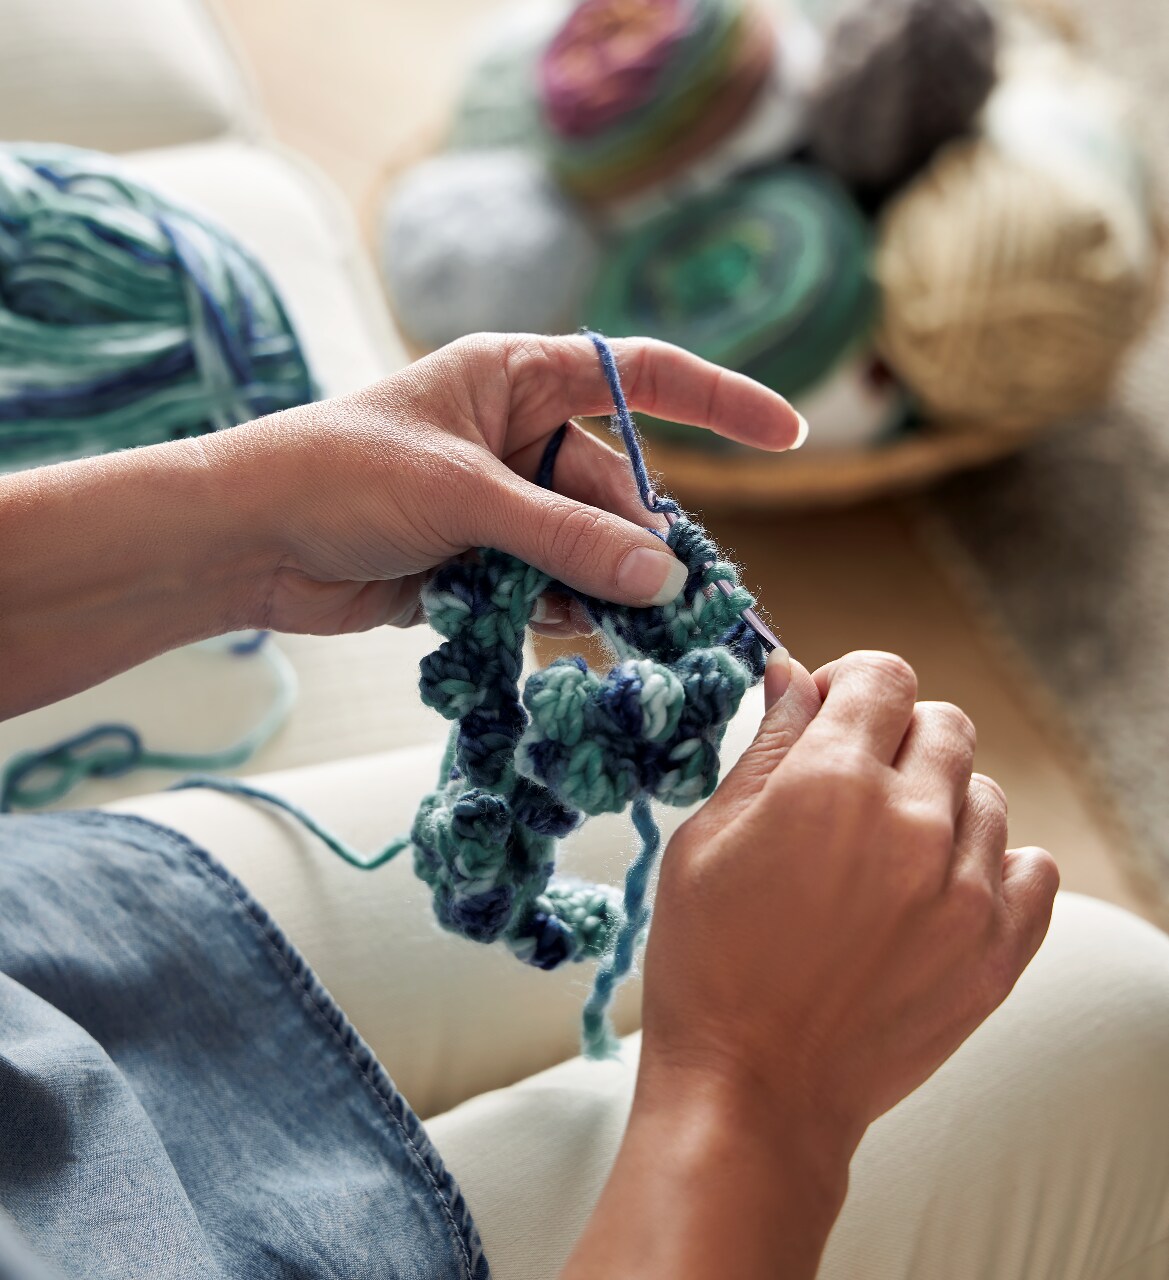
(484, 241)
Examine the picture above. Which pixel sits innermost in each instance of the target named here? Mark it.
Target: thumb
(587, 548)
(792, 701)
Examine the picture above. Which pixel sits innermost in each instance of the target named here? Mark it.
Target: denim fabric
(179, 1096)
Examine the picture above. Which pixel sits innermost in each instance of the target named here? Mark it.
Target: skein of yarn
(898, 79)
(769, 276)
(774, 126)
(484, 240)
(1037, 238)
(632, 90)
(124, 318)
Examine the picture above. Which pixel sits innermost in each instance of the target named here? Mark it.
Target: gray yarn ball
(484, 240)
(899, 78)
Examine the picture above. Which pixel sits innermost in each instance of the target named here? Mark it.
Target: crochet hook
(749, 616)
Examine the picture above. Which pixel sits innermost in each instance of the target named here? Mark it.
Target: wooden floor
(356, 84)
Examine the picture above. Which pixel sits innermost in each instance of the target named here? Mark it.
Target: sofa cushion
(118, 74)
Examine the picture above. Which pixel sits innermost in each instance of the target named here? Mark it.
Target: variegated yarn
(523, 769)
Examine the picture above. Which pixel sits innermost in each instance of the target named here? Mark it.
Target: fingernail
(802, 434)
(654, 577)
(548, 611)
(777, 677)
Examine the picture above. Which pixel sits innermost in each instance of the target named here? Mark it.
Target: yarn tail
(355, 858)
(598, 1039)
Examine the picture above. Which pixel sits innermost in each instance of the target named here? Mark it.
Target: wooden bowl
(751, 481)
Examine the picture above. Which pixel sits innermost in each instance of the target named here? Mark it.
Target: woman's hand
(376, 488)
(326, 518)
(829, 927)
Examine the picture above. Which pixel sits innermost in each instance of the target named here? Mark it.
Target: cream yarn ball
(1018, 269)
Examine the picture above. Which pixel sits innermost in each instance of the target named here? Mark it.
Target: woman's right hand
(829, 928)
(843, 912)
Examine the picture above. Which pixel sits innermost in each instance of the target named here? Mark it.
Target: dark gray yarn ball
(899, 78)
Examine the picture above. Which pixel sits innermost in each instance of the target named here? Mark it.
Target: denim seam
(326, 1011)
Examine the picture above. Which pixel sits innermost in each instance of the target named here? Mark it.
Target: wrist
(785, 1140)
(713, 1179)
(112, 560)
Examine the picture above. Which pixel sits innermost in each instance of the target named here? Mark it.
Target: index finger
(659, 379)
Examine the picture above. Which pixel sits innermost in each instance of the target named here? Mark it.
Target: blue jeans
(179, 1096)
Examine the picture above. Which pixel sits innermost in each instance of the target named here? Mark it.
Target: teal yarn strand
(126, 319)
(596, 1030)
(345, 851)
(38, 778)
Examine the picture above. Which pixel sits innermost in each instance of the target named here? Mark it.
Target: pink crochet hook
(749, 616)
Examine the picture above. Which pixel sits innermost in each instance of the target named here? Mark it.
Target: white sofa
(157, 81)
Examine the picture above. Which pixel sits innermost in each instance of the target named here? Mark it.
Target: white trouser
(1041, 1150)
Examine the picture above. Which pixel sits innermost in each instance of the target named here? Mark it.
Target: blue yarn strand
(597, 1037)
(623, 422)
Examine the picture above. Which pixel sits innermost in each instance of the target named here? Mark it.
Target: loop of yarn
(42, 776)
(523, 769)
(126, 319)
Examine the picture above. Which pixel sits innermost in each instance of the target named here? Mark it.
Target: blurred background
(935, 225)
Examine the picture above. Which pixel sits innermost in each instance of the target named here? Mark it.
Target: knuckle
(572, 536)
(992, 794)
(973, 901)
(929, 832)
(889, 670)
(953, 723)
(850, 768)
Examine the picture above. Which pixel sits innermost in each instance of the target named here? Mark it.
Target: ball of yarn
(497, 105)
(769, 275)
(773, 127)
(633, 90)
(126, 319)
(1009, 293)
(899, 78)
(484, 240)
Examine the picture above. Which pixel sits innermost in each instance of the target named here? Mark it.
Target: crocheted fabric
(522, 770)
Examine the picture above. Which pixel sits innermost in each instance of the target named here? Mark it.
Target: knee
(1094, 1010)
(1104, 973)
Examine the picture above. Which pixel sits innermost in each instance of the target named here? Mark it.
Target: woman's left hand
(368, 492)
(327, 518)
